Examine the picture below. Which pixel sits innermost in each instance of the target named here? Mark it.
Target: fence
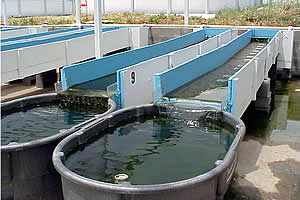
(18, 8)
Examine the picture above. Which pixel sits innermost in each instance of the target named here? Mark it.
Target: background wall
(20, 8)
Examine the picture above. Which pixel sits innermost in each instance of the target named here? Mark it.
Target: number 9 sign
(132, 77)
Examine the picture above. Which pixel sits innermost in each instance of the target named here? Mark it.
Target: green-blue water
(217, 77)
(39, 122)
(151, 151)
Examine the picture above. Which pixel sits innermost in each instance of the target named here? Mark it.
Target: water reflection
(267, 148)
(284, 118)
(152, 151)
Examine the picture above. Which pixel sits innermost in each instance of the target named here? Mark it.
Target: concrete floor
(269, 156)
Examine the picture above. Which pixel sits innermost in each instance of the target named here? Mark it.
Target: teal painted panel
(50, 40)
(177, 77)
(83, 72)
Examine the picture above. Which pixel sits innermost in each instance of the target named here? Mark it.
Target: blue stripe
(211, 32)
(50, 40)
(83, 72)
(233, 97)
(158, 88)
(264, 33)
(120, 82)
(176, 77)
(12, 28)
(29, 36)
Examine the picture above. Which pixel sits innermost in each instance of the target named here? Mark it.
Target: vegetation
(280, 14)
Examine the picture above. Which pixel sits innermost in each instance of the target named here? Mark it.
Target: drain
(121, 177)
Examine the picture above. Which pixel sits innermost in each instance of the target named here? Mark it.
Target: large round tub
(210, 185)
(27, 171)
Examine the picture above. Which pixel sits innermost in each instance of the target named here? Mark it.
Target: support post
(207, 7)
(237, 4)
(132, 6)
(186, 12)
(45, 8)
(77, 5)
(98, 28)
(19, 8)
(63, 6)
(103, 7)
(169, 10)
(4, 13)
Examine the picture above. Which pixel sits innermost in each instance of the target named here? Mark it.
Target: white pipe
(98, 28)
(186, 12)
(45, 7)
(132, 6)
(169, 10)
(237, 4)
(19, 8)
(77, 5)
(4, 13)
(63, 6)
(103, 6)
(207, 7)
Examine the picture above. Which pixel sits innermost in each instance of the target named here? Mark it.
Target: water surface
(39, 122)
(152, 151)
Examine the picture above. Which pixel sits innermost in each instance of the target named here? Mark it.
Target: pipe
(169, 10)
(4, 13)
(186, 12)
(98, 28)
(77, 5)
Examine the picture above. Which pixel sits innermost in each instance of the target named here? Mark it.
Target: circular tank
(212, 184)
(27, 171)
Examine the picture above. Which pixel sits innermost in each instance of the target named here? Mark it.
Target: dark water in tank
(152, 150)
(40, 122)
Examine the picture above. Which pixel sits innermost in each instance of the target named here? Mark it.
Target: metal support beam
(19, 8)
(237, 4)
(132, 6)
(45, 8)
(98, 28)
(169, 10)
(103, 7)
(63, 6)
(77, 5)
(207, 7)
(186, 12)
(5, 18)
